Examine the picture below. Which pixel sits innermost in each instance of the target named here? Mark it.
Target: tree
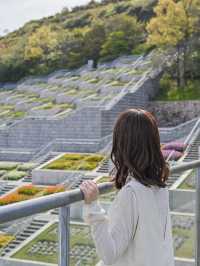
(41, 44)
(94, 40)
(132, 28)
(173, 26)
(115, 45)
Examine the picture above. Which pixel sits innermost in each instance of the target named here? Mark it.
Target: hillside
(98, 31)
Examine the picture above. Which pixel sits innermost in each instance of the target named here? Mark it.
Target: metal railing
(64, 199)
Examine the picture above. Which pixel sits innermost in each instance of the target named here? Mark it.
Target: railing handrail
(23, 209)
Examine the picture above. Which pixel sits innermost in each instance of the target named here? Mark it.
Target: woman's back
(152, 243)
(137, 231)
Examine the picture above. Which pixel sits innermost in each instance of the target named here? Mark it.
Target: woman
(137, 230)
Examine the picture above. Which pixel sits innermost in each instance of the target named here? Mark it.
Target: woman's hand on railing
(90, 191)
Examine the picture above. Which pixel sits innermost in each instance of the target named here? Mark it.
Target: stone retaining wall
(174, 113)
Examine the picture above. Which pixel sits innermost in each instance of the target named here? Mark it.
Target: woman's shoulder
(135, 185)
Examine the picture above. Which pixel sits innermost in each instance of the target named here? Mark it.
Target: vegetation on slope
(98, 31)
(176, 27)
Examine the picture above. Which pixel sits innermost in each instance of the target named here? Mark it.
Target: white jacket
(137, 230)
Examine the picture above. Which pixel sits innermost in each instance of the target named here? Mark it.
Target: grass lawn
(170, 92)
(80, 243)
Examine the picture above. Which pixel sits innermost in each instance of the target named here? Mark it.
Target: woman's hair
(136, 150)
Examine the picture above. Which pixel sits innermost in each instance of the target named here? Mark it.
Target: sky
(14, 13)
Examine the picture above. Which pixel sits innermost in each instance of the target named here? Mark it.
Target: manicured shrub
(53, 189)
(87, 166)
(94, 158)
(15, 175)
(8, 165)
(175, 156)
(26, 166)
(62, 165)
(29, 190)
(73, 157)
(177, 146)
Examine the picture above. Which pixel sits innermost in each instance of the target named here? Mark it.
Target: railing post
(197, 254)
(64, 236)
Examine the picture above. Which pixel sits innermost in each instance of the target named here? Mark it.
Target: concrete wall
(33, 133)
(134, 99)
(174, 113)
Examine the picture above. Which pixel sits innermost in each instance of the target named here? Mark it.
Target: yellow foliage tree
(41, 43)
(173, 26)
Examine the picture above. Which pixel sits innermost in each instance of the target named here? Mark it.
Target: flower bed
(176, 145)
(76, 162)
(176, 155)
(28, 192)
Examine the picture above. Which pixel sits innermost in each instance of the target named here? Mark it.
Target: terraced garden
(60, 93)
(44, 247)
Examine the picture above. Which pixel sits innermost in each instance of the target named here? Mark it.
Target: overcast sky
(14, 13)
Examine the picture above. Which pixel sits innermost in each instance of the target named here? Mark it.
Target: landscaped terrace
(59, 94)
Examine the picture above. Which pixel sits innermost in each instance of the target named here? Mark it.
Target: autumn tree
(173, 26)
(41, 44)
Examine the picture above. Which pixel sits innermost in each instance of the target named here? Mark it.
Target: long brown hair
(136, 150)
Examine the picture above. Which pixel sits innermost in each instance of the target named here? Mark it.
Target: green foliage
(69, 39)
(8, 165)
(2, 172)
(142, 49)
(115, 45)
(83, 162)
(29, 190)
(169, 91)
(26, 166)
(15, 175)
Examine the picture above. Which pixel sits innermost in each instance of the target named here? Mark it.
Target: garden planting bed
(44, 248)
(28, 192)
(64, 167)
(14, 171)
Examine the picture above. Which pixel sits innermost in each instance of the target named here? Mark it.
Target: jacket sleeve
(113, 233)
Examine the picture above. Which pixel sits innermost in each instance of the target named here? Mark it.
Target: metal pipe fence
(64, 199)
